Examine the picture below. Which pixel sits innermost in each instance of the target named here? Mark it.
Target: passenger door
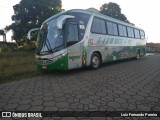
(74, 46)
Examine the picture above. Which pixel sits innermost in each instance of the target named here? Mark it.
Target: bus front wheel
(95, 61)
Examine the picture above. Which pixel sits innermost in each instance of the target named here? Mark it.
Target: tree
(30, 14)
(113, 10)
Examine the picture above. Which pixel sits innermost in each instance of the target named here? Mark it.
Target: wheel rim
(95, 62)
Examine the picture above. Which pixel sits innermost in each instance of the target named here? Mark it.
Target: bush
(17, 64)
(28, 47)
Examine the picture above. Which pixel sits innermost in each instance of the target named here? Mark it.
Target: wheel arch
(138, 50)
(98, 52)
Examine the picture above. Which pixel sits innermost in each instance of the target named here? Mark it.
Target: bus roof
(96, 14)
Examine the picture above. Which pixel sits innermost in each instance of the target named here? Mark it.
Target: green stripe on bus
(60, 64)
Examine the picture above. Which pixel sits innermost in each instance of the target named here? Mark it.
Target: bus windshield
(49, 37)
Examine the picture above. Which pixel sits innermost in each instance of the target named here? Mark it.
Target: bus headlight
(59, 56)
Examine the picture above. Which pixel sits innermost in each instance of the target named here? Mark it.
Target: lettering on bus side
(74, 56)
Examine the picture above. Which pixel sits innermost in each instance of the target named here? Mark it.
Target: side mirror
(61, 19)
(30, 31)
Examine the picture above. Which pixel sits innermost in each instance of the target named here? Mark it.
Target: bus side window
(96, 26)
(72, 36)
(136, 32)
(112, 28)
(122, 30)
(142, 34)
(103, 27)
(130, 32)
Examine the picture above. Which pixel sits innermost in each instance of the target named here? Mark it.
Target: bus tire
(138, 55)
(95, 61)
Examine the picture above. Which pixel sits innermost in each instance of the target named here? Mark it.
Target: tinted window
(96, 26)
(81, 19)
(122, 30)
(110, 28)
(136, 32)
(115, 29)
(142, 34)
(130, 32)
(103, 27)
(72, 33)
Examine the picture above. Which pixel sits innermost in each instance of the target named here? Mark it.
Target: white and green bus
(80, 38)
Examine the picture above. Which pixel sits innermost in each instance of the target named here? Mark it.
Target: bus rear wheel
(138, 55)
(95, 61)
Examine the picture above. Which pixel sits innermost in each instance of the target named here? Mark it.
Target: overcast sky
(143, 13)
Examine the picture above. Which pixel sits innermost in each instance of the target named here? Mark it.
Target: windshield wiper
(49, 46)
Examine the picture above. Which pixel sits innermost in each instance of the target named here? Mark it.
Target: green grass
(17, 65)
